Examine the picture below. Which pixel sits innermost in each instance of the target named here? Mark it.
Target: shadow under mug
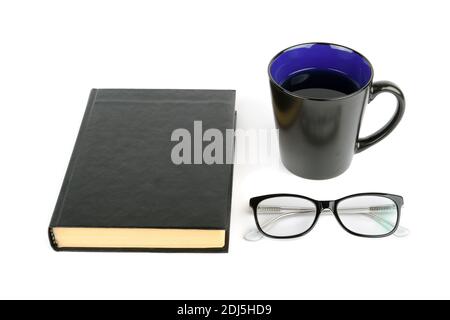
(318, 136)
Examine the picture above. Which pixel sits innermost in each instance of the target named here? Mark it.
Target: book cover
(136, 180)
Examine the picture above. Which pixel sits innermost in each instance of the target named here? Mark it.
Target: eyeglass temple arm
(366, 211)
(400, 232)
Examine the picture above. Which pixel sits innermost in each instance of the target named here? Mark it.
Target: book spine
(68, 176)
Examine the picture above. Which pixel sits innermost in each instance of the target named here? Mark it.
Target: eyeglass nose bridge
(327, 205)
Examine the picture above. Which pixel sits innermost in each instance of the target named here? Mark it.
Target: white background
(53, 52)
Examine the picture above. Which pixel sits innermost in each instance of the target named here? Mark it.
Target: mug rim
(321, 99)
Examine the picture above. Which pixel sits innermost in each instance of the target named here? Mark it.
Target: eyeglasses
(283, 216)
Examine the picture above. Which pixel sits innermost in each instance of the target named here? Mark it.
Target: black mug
(319, 92)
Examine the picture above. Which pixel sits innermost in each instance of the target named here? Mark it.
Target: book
(131, 186)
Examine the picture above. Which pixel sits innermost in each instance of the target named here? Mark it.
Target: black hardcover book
(129, 185)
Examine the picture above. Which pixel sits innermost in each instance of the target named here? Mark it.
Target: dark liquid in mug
(320, 84)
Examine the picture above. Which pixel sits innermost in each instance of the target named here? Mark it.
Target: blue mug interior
(321, 56)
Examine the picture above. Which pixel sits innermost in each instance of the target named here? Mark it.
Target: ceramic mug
(319, 131)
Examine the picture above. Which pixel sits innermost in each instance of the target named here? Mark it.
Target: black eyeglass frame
(331, 205)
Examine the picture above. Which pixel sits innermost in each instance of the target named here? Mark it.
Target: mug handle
(376, 89)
